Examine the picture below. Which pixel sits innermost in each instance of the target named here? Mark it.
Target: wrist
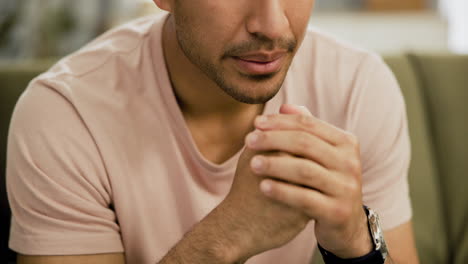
(378, 252)
(207, 242)
(363, 243)
(360, 243)
(227, 242)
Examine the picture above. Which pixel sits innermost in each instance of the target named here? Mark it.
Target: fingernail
(261, 121)
(265, 187)
(257, 164)
(252, 138)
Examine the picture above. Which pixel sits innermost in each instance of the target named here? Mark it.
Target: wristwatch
(376, 232)
(376, 256)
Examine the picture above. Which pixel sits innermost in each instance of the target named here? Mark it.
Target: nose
(268, 19)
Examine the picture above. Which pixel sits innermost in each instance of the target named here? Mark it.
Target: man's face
(244, 46)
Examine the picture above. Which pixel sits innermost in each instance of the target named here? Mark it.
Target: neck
(198, 96)
(218, 123)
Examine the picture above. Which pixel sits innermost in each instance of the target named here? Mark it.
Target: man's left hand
(321, 176)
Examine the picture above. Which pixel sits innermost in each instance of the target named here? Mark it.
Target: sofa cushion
(445, 78)
(423, 177)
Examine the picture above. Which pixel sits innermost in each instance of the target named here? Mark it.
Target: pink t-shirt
(100, 159)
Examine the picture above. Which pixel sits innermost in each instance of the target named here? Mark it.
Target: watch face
(377, 234)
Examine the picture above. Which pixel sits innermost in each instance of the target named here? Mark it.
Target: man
(181, 140)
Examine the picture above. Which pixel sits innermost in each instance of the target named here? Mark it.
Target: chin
(254, 91)
(248, 89)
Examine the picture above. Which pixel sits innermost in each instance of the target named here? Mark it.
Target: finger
(309, 201)
(296, 171)
(289, 109)
(296, 143)
(310, 124)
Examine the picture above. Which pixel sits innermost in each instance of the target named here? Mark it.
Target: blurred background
(31, 29)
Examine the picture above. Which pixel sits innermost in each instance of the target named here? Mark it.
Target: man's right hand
(255, 222)
(245, 224)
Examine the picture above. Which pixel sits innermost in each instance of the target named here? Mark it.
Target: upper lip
(262, 56)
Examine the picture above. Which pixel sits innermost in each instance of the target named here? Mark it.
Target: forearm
(207, 242)
(389, 260)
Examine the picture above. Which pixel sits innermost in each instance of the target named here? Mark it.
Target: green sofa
(436, 90)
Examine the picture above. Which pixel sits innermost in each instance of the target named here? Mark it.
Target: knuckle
(305, 203)
(303, 142)
(308, 176)
(350, 139)
(351, 187)
(305, 121)
(322, 184)
(304, 174)
(353, 166)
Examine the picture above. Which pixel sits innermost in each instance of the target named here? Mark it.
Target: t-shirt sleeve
(59, 193)
(377, 114)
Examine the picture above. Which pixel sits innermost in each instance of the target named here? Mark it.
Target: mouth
(260, 63)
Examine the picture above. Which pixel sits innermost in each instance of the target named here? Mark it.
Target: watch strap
(374, 257)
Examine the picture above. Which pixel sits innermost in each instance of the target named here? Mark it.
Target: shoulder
(108, 59)
(105, 75)
(326, 51)
(57, 180)
(328, 61)
(116, 42)
(350, 78)
(328, 72)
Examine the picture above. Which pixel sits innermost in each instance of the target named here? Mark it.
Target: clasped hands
(320, 176)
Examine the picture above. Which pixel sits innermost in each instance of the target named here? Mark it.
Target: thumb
(290, 109)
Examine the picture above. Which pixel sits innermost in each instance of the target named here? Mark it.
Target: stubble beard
(218, 75)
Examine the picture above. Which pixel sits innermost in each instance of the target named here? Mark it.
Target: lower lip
(257, 68)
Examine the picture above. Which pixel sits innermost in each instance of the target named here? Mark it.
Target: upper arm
(378, 118)
(117, 258)
(58, 188)
(401, 244)
(380, 122)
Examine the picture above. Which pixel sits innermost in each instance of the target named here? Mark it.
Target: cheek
(222, 28)
(209, 28)
(299, 16)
